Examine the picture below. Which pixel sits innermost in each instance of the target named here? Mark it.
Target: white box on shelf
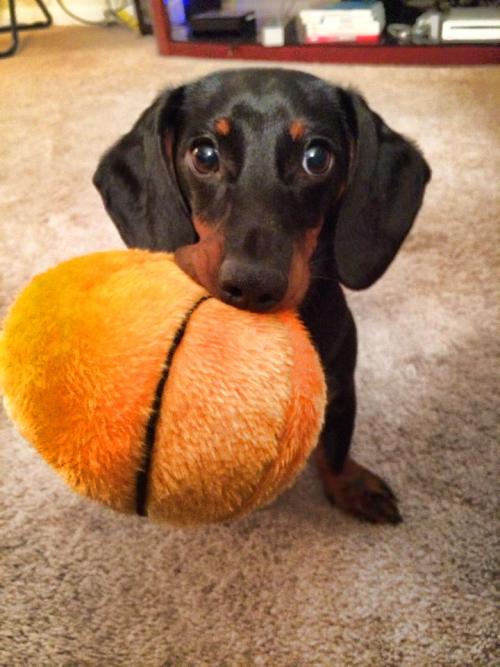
(356, 9)
(471, 24)
(272, 35)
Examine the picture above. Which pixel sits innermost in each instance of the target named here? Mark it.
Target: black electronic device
(223, 24)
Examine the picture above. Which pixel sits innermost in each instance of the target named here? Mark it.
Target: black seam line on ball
(141, 484)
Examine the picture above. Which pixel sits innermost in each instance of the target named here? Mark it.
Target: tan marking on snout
(299, 276)
(203, 228)
(202, 260)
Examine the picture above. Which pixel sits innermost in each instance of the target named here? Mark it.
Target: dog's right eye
(317, 159)
(205, 157)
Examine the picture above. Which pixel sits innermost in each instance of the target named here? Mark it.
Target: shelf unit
(477, 54)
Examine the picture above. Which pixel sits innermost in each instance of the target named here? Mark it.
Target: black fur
(265, 203)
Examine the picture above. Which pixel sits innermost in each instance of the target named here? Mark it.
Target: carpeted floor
(297, 584)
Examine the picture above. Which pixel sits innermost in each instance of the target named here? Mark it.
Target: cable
(103, 22)
(122, 15)
(121, 6)
(112, 16)
(67, 11)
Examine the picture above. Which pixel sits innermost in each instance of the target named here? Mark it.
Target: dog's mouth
(202, 261)
(244, 283)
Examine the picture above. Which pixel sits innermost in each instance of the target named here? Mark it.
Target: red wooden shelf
(459, 54)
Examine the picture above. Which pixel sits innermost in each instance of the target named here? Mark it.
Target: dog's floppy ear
(137, 181)
(386, 186)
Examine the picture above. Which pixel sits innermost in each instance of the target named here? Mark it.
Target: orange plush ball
(146, 394)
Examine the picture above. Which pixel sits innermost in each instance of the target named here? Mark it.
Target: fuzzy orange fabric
(81, 355)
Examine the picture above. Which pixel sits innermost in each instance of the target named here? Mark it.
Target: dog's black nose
(251, 286)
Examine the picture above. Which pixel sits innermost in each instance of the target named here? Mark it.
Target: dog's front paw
(358, 491)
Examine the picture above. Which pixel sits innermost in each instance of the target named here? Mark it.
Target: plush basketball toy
(150, 396)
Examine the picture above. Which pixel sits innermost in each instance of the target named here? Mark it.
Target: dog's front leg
(346, 483)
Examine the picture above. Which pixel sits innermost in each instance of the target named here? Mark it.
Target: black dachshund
(276, 188)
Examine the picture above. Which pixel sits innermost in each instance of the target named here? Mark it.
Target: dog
(276, 189)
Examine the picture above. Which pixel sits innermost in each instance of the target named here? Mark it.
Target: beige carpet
(297, 584)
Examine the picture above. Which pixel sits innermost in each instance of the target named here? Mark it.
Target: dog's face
(243, 171)
(259, 167)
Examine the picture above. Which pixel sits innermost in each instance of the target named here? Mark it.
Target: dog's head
(242, 171)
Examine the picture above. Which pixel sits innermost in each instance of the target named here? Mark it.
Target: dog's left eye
(317, 159)
(205, 157)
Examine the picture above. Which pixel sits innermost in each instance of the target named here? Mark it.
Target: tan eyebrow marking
(223, 126)
(297, 130)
